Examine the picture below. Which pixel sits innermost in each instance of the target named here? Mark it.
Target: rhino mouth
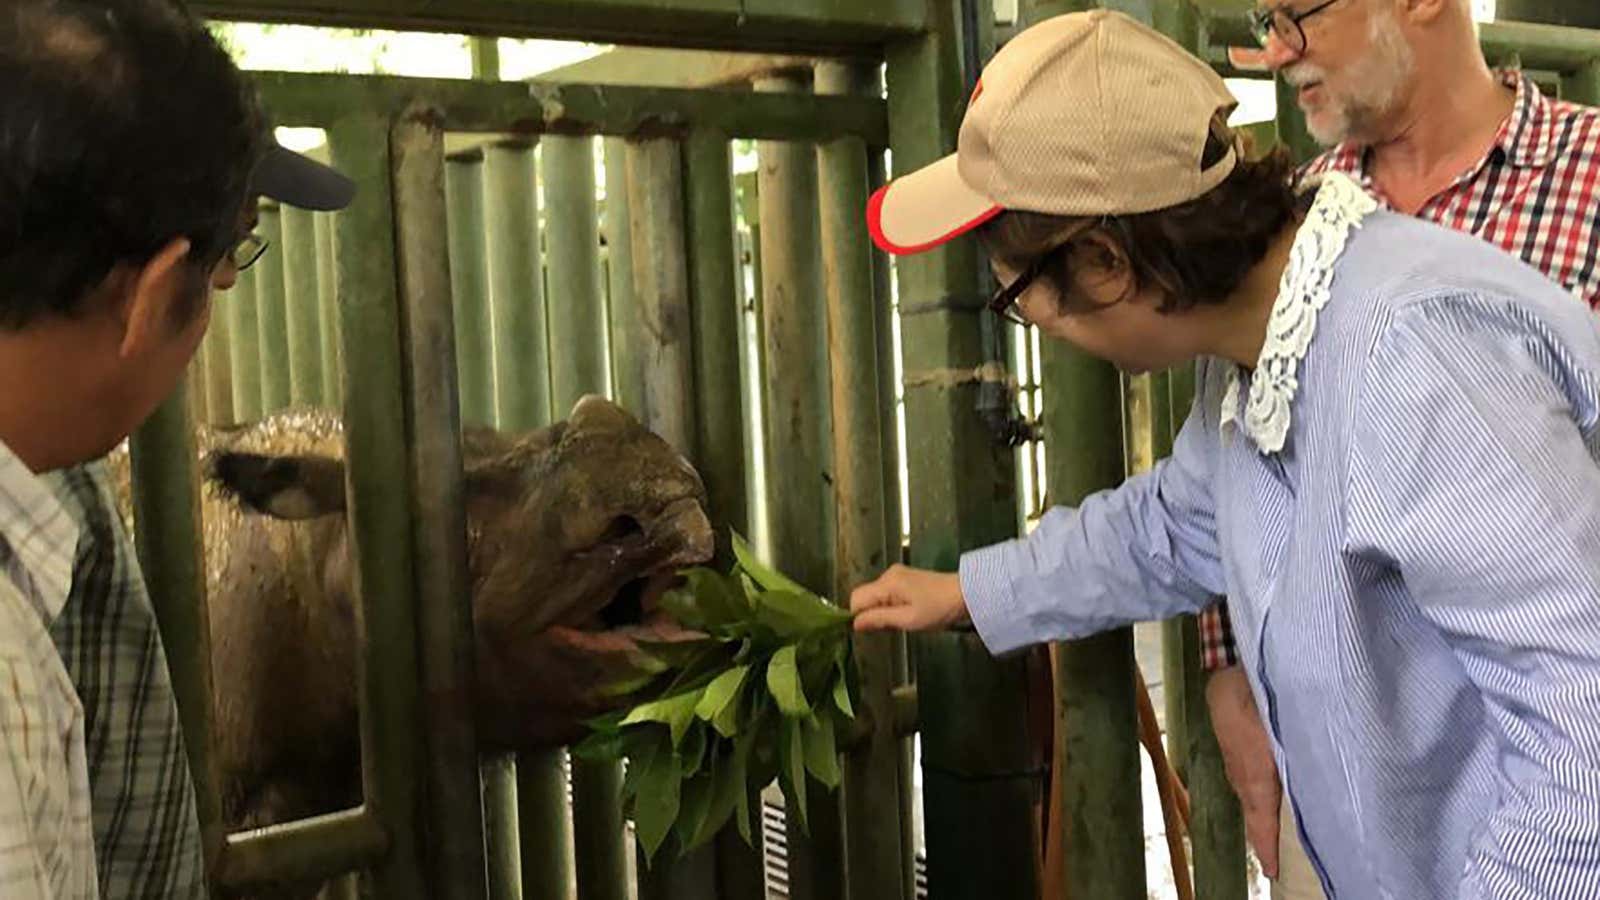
(654, 552)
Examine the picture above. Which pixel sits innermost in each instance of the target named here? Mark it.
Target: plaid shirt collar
(40, 535)
(1526, 138)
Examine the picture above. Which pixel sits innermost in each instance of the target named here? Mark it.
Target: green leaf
(741, 762)
(676, 711)
(727, 783)
(676, 654)
(719, 705)
(626, 686)
(841, 689)
(719, 599)
(792, 774)
(763, 574)
(655, 804)
(693, 752)
(821, 753)
(783, 682)
(601, 746)
(680, 603)
(795, 615)
(692, 812)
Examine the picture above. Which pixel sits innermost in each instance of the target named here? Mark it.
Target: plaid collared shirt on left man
(1535, 194)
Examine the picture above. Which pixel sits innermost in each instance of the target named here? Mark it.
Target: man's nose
(1278, 52)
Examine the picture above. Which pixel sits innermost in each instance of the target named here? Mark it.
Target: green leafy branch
(758, 693)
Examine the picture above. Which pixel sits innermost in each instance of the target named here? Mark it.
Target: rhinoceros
(572, 530)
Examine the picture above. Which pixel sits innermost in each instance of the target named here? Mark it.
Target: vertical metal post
(716, 300)
(664, 359)
(196, 375)
(1292, 131)
(273, 314)
(627, 386)
(328, 311)
(378, 485)
(578, 328)
(1583, 84)
(799, 434)
(219, 366)
(522, 401)
(485, 58)
(244, 327)
(976, 755)
(469, 288)
(438, 511)
(162, 458)
(304, 314)
(516, 290)
(872, 777)
(572, 236)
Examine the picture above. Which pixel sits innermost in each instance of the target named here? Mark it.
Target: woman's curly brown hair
(1196, 252)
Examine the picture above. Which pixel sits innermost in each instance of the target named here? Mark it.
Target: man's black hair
(123, 125)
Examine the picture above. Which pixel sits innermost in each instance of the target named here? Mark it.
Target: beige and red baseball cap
(1084, 114)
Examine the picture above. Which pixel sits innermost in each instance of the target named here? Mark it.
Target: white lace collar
(1340, 206)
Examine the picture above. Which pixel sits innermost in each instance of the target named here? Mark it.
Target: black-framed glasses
(249, 249)
(1264, 23)
(1003, 302)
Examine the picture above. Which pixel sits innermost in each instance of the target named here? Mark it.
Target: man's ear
(157, 288)
(284, 487)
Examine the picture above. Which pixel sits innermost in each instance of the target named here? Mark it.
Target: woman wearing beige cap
(1390, 467)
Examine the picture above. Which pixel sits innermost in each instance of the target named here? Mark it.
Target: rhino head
(573, 531)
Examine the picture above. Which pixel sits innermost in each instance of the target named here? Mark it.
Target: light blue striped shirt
(1414, 577)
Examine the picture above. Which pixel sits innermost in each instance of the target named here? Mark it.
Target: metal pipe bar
(716, 299)
(578, 328)
(627, 385)
(872, 782)
(313, 100)
(307, 851)
(1583, 85)
(304, 312)
(438, 511)
(469, 290)
(516, 289)
(977, 758)
(328, 311)
(195, 375)
(272, 312)
(219, 367)
(379, 504)
(799, 441)
(245, 329)
(797, 26)
(572, 255)
(166, 499)
(665, 357)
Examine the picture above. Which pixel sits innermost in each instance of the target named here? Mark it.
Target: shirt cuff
(1218, 649)
(986, 585)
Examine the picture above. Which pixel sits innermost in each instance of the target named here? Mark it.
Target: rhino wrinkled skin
(571, 531)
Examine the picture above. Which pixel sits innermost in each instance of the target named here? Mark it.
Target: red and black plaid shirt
(1536, 194)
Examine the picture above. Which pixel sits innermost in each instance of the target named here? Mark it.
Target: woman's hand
(907, 599)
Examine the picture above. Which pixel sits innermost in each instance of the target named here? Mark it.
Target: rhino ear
(284, 487)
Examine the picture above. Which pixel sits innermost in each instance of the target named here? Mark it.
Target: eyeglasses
(249, 249)
(1264, 23)
(1003, 302)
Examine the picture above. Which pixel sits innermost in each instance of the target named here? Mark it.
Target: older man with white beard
(1401, 93)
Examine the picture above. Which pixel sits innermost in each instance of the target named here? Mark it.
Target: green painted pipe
(977, 757)
(304, 313)
(244, 329)
(327, 312)
(872, 778)
(469, 289)
(516, 295)
(272, 312)
(379, 505)
(219, 366)
(799, 438)
(627, 382)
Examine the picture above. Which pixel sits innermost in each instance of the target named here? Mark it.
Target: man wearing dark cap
(131, 152)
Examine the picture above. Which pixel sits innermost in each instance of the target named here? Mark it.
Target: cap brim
(288, 177)
(926, 208)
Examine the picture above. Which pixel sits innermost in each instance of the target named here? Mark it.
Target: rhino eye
(621, 529)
